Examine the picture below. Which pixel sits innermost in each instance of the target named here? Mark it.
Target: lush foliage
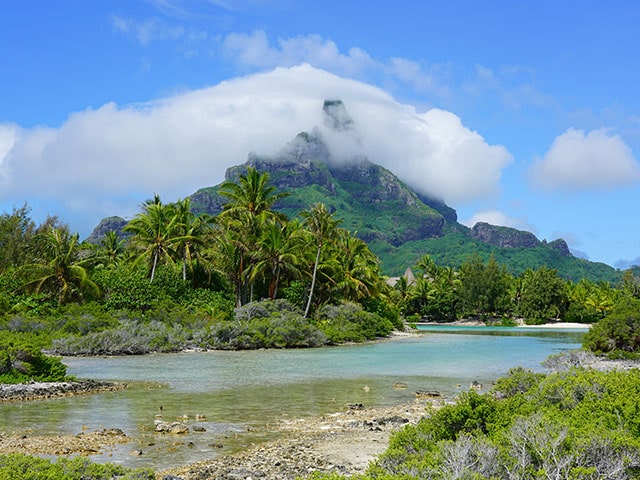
(16, 466)
(21, 359)
(455, 247)
(485, 290)
(573, 424)
(618, 334)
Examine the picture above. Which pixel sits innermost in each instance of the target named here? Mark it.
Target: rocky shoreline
(84, 443)
(343, 442)
(44, 390)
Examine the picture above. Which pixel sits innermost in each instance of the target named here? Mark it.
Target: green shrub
(22, 360)
(265, 324)
(18, 466)
(618, 334)
(348, 322)
(577, 423)
(130, 289)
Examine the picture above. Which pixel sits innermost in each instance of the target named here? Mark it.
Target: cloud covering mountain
(107, 160)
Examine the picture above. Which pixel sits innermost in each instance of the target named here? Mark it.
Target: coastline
(18, 392)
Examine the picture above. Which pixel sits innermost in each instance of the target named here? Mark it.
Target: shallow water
(240, 392)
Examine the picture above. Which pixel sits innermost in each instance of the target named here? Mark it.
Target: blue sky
(525, 114)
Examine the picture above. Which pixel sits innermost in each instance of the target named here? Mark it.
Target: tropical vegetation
(251, 277)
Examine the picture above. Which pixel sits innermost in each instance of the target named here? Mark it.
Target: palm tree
(360, 274)
(60, 269)
(250, 200)
(111, 249)
(422, 292)
(323, 227)
(251, 193)
(190, 232)
(428, 266)
(279, 249)
(154, 230)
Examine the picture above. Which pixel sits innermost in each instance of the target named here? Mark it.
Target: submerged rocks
(43, 390)
(176, 428)
(85, 443)
(342, 443)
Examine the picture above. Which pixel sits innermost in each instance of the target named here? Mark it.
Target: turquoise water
(240, 392)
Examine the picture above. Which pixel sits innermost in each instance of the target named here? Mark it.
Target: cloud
(582, 161)
(625, 264)
(496, 217)
(147, 31)
(8, 137)
(255, 51)
(106, 161)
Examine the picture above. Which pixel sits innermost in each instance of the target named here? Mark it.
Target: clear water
(240, 393)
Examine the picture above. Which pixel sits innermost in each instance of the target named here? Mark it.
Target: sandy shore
(559, 325)
(477, 323)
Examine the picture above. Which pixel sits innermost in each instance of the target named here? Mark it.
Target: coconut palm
(110, 251)
(154, 231)
(279, 252)
(360, 273)
(61, 267)
(251, 193)
(250, 200)
(323, 227)
(190, 231)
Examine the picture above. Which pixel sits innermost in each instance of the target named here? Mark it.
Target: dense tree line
(486, 291)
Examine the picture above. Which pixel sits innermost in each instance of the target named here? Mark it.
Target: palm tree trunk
(313, 282)
(153, 269)
(184, 269)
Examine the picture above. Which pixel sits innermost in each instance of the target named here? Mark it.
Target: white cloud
(255, 51)
(147, 31)
(106, 161)
(581, 161)
(8, 138)
(496, 217)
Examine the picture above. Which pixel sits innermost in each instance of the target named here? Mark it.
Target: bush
(618, 334)
(573, 424)
(131, 337)
(348, 322)
(22, 360)
(25, 466)
(130, 288)
(265, 324)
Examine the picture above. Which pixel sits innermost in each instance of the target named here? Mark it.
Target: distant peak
(336, 116)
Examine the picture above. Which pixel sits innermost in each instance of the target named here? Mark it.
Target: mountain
(398, 224)
(327, 165)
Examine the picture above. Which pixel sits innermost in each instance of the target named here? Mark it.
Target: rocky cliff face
(364, 193)
(108, 224)
(503, 236)
(506, 237)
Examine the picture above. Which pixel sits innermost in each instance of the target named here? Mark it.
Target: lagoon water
(240, 392)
